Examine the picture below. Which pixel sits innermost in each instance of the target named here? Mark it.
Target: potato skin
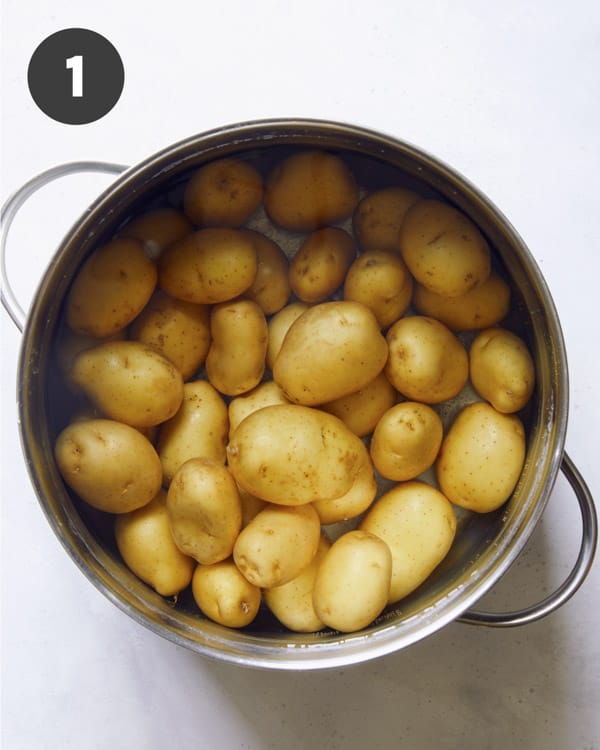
(354, 502)
(271, 286)
(157, 229)
(265, 394)
(278, 327)
(378, 217)
(320, 265)
(360, 411)
(110, 465)
(224, 595)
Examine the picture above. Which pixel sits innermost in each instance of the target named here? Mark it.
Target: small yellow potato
(353, 581)
(198, 430)
(178, 330)
(271, 286)
(146, 545)
(309, 190)
(406, 441)
(251, 506)
(292, 603)
(426, 361)
(482, 306)
(277, 544)
(208, 266)
(381, 281)
(265, 394)
(333, 349)
(224, 595)
(292, 455)
(157, 229)
(443, 248)
(235, 362)
(418, 525)
(360, 411)
(111, 288)
(278, 327)
(130, 382)
(501, 369)
(354, 502)
(377, 219)
(205, 512)
(223, 193)
(319, 267)
(71, 344)
(110, 465)
(481, 458)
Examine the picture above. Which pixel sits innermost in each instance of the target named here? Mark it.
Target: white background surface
(508, 94)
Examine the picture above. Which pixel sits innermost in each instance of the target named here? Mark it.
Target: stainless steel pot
(485, 546)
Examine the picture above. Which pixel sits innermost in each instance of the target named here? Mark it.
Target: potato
(205, 510)
(271, 286)
(443, 248)
(223, 193)
(146, 545)
(157, 229)
(71, 344)
(482, 306)
(320, 264)
(426, 361)
(418, 525)
(354, 502)
(353, 581)
(309, 190)
(198, 430)
(333, 349)
(224, 595)
(381, 281)
(110, 465)
(377, 218)
(292, 603)
(111, 288)
(481, 458)
(406, 441)
(278, 327)
(292, 455)
(501, 369)
(208, 266)
(235, 362)
(277, 544)
(178, 330)
(130, 382)
(360, 411)
(251, 506)
(265, 394)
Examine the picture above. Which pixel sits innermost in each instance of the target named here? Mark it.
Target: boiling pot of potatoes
(294, 395)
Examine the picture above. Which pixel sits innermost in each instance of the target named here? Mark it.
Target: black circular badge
(75, 76)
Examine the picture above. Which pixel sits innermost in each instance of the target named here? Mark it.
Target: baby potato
(271, 286)
(198, 430)
(377, 219)
(146, 545)
(157, 229)
(418, 525)
(224, 595)
(178, 330)
(354, 502)
(130, 382)
(111, 288)
(360, 411)
(353, 581)
(208, 266)
(426, 361)
(320, 265)
(501, 369)
(292, 603)
(381, 281)
(265, 394)
(406, 441)
(482, 306)
(71, 344)
(292, 455)
(277, 544)
(110, 465)
(309, 190)
(333, 349)
(223, 193)
(443, 248)
(278, 327)
(235, 362)
(481, 458)
(205, 512)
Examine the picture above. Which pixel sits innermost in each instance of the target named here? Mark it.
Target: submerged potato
(320, 265)
(157, 229)
(379, 215)
(224, 595)
(271, 286)
(360, 411)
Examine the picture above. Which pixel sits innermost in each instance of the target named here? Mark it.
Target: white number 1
(76, 65)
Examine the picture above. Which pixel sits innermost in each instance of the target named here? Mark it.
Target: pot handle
(10, 210)
(575, 578)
